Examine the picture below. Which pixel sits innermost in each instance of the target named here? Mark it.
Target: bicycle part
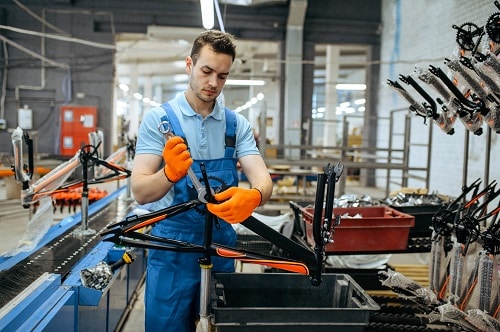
(408, 288)
(50, 182)
(439, 263)
(317, 229)
(451, 315)
(492, 62)
(414, 105)
(20, 175)
(441, 220)
(99, 276)
(468, 227)
(473, 83)
(206, 271)
(489, 195)
(482, 320)
(492, 27)
(126, 232)
(29, 143)
(426, 77)
(322, 219)
(147, 241)
(475, 106)
(491, 239)
(469, 286)
(493, 119)
(431, 108)
(135, 222)
(290, 246)
(472, 121)
(208, 194)
(466, 34)
(203, 193)
(478, 68)
(445, 120)
(307, 262)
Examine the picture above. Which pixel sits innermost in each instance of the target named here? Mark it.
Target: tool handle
(166, 129)
(127, 258)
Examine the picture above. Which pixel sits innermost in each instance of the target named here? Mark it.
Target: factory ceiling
(152, 37)
(260, 26)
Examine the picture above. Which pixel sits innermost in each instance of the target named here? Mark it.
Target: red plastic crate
(380, 228)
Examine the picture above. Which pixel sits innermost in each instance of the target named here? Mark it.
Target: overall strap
(172, 118)
(230, 139)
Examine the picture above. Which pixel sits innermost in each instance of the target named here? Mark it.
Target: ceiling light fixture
(351, 87)
(246, 82)
(250, 103)
(207, 13)
(124, 87)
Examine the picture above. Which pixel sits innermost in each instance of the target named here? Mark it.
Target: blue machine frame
(49, 304)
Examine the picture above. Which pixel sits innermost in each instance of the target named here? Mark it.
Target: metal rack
(390, 159)
(407, 143)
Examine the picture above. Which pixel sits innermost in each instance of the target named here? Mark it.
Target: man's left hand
(237, 204)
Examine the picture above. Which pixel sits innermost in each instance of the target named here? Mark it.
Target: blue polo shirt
(205, 136)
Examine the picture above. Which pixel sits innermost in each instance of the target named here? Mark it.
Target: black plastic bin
(276, 302)
(423, 218)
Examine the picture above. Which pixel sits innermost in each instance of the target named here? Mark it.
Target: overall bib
(173, 278)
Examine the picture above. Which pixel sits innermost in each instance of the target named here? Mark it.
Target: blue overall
(173, 278)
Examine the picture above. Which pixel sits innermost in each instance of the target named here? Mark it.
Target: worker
(205, 132)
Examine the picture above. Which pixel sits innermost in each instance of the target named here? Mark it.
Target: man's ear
(189, 64)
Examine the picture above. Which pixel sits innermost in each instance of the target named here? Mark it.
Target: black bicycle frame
(305, 261)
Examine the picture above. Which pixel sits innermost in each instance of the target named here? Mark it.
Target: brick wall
(420, 34)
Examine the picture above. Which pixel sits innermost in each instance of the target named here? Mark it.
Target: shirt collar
(188, 111)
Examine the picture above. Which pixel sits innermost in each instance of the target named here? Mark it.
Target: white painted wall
(426, 37)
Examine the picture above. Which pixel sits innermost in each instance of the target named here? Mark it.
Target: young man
(159, 179)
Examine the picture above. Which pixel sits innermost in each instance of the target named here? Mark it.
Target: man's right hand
(177, 159)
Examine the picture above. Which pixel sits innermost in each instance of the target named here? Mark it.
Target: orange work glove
(177, 159)
(237, 204)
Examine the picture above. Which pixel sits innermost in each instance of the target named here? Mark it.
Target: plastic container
(423, 218)
(380, 229)
(285, 302)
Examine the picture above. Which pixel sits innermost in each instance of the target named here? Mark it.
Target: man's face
(208, 76)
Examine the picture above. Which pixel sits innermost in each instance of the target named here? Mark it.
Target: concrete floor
(14, 219)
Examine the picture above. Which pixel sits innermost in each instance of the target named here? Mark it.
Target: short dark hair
(221, 42)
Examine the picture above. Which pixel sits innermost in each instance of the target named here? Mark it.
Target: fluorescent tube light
(124, 87)
(207, 13)
(246, 82)
(350, 86)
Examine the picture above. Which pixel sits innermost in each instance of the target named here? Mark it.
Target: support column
(370, 117)
(332, 74)
(135, 105)
(293, 74)
(115, 135)
(148, 92)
